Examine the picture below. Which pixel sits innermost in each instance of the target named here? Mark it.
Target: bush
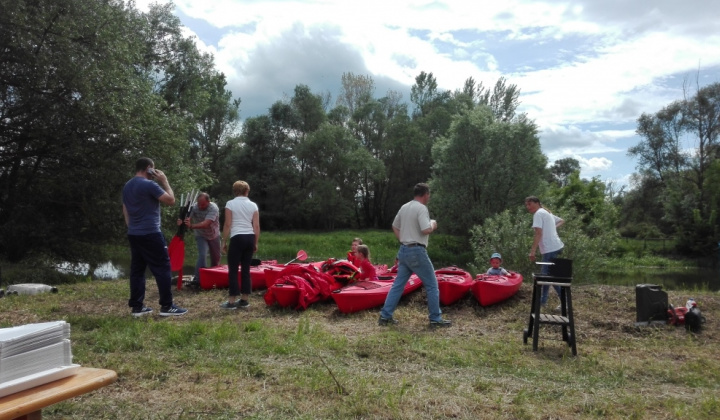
(511, 234)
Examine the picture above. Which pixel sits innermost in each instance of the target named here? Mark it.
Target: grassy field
(273, 363)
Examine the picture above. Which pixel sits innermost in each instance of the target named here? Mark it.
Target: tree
(213, 137)
(74, 115)
(562, 169)
(660, 151)
(482, 167)
(683, 175)
(503, 100)
(587, 198)
(337, 163)
(355, 91)
(433, 111)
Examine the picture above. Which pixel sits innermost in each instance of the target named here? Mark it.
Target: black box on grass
(651, 303)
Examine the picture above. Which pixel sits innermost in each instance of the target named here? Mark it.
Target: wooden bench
(28, 404)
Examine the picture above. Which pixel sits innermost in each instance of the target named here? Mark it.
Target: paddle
(301, 255)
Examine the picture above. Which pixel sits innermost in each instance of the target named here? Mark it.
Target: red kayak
(367, 294)
(217, 277)
(453, 284)
(489, 290)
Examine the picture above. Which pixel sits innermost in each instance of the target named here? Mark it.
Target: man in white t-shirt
(546, 238)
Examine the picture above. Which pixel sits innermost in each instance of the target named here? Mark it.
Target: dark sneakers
(443, 323)
(384, 322)
(172, 310)
(228, 305)
(138, 312)
(242, 304)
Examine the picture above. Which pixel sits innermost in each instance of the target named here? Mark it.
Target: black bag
(694, 319)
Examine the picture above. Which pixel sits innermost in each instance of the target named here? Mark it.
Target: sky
(586, 69)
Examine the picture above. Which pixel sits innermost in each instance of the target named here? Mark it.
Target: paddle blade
(176, 250)
(301, 255)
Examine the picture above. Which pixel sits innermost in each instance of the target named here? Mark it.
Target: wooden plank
(35, 399)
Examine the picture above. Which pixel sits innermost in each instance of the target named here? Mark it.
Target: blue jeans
(547, 257)
(149, 251)
(240, 253)
(203, 246)
(413, 260)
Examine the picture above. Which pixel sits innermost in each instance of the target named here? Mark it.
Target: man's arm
(125, 214)
(202, 225)
(169, 197)
(536, 241)
(433, 226)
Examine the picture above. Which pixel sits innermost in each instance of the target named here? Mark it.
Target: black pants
(240, 254)
(149, 251)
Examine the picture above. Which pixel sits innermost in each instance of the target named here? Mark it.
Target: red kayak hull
(286, 295)
(453, 284)
(217, 277)
(489, 290)
(370, 294)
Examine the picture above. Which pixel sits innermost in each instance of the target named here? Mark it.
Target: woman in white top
(242, 227)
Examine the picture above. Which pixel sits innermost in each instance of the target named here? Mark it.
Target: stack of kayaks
(489, 289)
(285, 288)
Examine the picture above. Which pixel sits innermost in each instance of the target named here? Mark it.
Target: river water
(687, 279)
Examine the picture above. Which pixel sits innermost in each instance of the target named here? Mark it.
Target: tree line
(677, 191)
(88, 86)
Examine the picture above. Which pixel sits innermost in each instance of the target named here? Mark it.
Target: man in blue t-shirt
(141, 207)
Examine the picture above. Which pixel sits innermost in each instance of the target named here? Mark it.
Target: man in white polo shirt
(412, 226)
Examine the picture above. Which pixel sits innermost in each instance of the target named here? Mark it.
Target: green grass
(283, 246)
(273, 363)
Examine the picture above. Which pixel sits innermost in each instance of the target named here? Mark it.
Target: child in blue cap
(495, 269)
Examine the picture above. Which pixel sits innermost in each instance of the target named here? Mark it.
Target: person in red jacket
(362, 261)
(353, 250)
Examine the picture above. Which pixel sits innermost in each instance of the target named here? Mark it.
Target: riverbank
(276, 363)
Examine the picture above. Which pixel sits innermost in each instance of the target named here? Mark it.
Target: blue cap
(496, 255)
